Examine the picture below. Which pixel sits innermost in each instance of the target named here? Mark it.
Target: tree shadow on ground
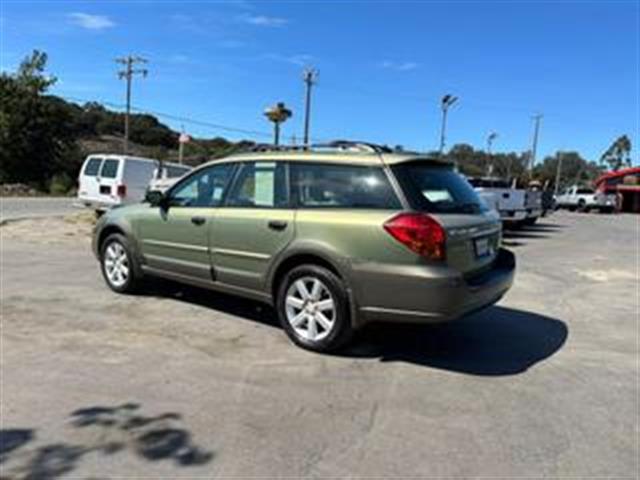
(111, 430)
(496, 341)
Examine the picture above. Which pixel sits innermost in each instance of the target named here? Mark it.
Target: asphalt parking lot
(179, 382)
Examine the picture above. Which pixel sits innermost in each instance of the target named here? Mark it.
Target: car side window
(259, 185)
(342, 186)
(205, 188)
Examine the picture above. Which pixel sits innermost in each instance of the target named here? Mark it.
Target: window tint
(205, 188)
(437, 188)
(109, 168)
(92, 167)
(584, 191)
(259, 184)
(342, 186)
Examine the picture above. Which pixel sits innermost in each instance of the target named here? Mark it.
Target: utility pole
(534, 144)
(556, 187)
(445, 103)
(310, 76)
(490, 138)
(129, 71)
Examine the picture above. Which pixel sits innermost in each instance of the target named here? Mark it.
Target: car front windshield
(437, 188)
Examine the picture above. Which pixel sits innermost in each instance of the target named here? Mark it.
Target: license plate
(482, 247)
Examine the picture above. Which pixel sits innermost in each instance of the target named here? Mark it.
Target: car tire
(119, 265)
(313, 308)
(582, 205)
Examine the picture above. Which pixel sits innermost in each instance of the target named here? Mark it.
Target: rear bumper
(513, 215)
(534, 212)
(411, 295)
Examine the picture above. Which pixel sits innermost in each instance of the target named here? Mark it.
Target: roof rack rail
(341, 145)
(355, 145)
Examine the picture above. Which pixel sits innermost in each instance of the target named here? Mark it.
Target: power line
(178, 118)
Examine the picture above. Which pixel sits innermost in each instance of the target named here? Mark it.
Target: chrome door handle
(198, 220)
(277, 224)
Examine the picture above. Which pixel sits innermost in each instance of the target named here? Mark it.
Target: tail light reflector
(122, 191)
(420, 233)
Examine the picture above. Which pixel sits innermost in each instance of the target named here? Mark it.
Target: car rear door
(255, 224)
(107, 180)
(88, 182)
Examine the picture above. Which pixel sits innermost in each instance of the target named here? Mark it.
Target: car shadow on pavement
(496, 341)
(106, 431)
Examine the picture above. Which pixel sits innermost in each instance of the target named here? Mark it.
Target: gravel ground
(179, 382)
(12, 208)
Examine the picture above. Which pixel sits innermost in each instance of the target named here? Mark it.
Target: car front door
(174, 237)
(255, 224)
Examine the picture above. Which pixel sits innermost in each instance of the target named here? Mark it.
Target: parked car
(511, 201)
(167, 176)
(585, 199)
(333, 237)
(107, 180)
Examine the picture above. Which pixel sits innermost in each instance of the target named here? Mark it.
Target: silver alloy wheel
(310, 308)
(116, 264)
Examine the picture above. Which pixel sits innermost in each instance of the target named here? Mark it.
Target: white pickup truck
(585, 199)
(510, 202)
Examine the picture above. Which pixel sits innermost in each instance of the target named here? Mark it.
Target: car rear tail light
(420, 233)
(122, 191)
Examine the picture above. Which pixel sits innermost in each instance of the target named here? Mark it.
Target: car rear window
(92, 167)
(109, 168)
(437, 188)
(342, 186)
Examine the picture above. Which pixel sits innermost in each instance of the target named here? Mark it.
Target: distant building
(625, 183)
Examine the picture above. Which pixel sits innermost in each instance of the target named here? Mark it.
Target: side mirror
(156, 198)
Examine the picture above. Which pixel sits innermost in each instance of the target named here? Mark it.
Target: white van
(108, 180)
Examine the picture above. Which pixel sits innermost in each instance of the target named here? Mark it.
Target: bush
(60, 184)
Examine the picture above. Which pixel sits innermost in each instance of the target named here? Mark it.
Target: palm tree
(277, 114)
(618, 155)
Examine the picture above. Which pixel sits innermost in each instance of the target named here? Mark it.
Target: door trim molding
(183, 246)
(241, 253)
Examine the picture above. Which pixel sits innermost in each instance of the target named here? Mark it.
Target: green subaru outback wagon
(333, 237)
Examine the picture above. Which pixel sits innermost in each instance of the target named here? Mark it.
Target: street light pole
(446, 102)
(534, 142)
(490, 138)
(309, 76)
(129, 61)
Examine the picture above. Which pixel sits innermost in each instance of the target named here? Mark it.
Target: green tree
(618, 155)
(477, 163)
(36, 130)
(573, 170)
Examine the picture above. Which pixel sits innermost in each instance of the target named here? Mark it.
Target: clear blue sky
(383, 65)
